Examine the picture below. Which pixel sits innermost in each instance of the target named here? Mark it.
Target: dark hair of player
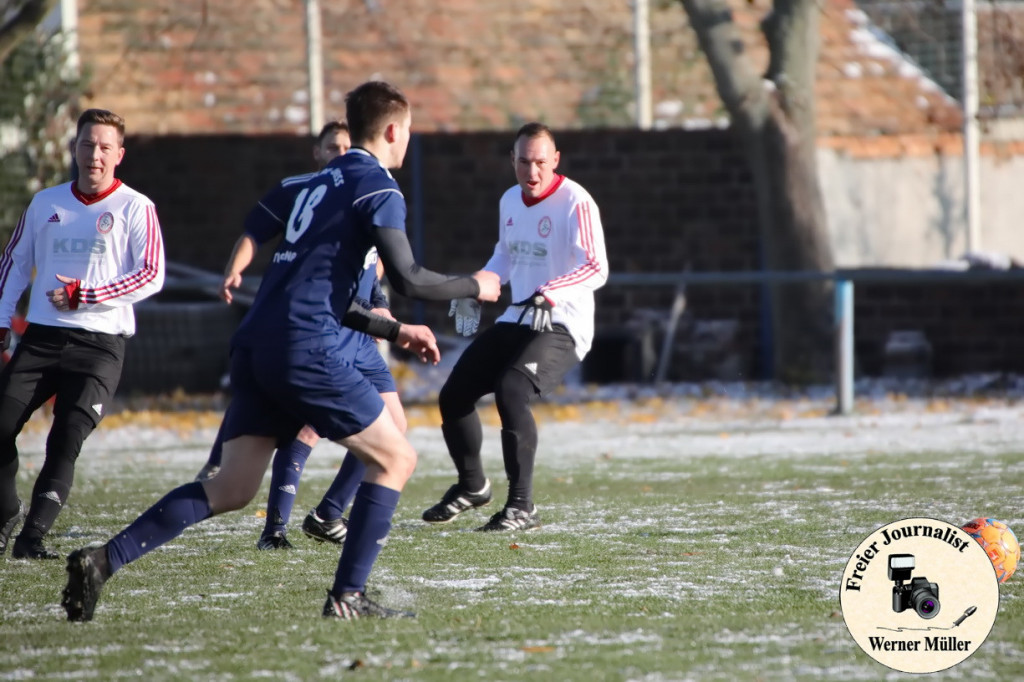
(331, 128)
(371, 107)
(531, 130)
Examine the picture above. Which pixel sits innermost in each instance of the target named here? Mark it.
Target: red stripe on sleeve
(144, 276)
(7, 260)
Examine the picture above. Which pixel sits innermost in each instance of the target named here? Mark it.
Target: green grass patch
(649, 566)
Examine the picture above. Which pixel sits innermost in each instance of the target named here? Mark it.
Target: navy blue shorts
(277, 392)
(371, 364)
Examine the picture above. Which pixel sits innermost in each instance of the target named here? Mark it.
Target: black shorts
(81, 368)
(543, 357)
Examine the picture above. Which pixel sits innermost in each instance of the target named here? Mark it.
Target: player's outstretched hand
(232, 280)
(466, 312)
(419, 339)
(490, 285)
(541, 307)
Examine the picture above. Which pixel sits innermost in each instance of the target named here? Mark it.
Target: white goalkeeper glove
(466, 312)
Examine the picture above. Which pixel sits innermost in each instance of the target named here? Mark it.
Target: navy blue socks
(368, 527)
(184, 506)
(284, 484)
(343, 488)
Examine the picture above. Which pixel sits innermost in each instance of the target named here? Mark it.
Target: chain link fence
(931, 33)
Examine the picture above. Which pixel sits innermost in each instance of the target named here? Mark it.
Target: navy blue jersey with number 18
(268, 220)
(315, 271)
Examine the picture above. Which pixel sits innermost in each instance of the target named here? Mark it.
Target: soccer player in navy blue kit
(264, 223)
(288, 368)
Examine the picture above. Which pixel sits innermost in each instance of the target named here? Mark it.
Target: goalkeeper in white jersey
(551, 252)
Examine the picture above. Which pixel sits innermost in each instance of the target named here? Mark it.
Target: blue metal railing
(843, 301)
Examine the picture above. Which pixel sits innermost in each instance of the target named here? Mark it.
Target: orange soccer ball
(999, 543)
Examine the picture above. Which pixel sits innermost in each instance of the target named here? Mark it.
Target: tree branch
(23, 22)
(792, 32)
(738, 84)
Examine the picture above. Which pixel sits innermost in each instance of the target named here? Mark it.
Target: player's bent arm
(410, 279)
(362, 320)
(588, 251)
(414, 337)
(241, 257)
(146, 251)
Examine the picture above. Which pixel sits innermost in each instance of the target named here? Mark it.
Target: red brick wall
(234, 66)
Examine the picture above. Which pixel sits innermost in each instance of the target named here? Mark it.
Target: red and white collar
(88, 199)
(551, 190)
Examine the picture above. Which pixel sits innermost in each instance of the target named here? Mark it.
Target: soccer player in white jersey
(551, 252)
(96, 249)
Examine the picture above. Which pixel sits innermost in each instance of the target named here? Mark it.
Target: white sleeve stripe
(7, 260)
(296, 179)
(380, 191)
(272, 215)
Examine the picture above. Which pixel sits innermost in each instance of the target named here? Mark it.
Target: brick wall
(977, 327)
(668, 200)
(238, 66)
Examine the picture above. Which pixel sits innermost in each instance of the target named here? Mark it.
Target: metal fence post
(844, 346)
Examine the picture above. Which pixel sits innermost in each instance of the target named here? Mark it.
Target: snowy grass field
(682, 540)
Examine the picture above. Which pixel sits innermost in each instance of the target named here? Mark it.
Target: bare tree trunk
(774, 116)
(22, 22)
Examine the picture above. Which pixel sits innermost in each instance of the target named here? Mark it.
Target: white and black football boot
(511, 518)
(456, 501)
(356, 605)
(323, 530)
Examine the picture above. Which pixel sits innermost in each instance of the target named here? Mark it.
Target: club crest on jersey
(544, 227)
(105, 223)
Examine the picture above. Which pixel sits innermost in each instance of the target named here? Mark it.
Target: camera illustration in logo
(920, 595)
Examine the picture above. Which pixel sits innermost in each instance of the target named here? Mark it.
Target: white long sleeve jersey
(111, 242)
(554, 245)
